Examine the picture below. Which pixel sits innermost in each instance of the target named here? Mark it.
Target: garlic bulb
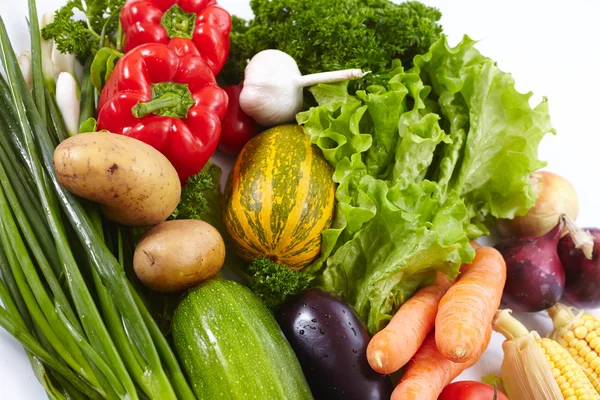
(273, 87)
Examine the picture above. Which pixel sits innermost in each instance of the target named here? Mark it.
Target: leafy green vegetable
(503, 131)
(103, 65)
(193, 202)
(273, 283)
(89, 125)
(421, 162)
(82, 37)
(323, 35)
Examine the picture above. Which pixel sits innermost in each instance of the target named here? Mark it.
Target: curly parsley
(324, 35)
(82, 36)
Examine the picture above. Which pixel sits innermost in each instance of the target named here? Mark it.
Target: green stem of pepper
(167, 100)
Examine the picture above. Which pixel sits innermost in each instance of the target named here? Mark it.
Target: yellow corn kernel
(539, 369)
(580, 335)
(570, 378)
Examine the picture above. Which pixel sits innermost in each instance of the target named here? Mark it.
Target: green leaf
(413, 234)
(422, 161)
(89, 125)
(503, 131)
(103, 65)
(392, 229)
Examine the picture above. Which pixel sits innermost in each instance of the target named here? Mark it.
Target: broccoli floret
(273, 283)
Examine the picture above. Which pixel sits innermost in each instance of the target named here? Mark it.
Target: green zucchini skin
(231, 347)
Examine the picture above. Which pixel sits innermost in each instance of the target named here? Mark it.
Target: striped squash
(279, 198)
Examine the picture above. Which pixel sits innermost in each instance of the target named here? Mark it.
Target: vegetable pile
(370, 155)
(421, 164)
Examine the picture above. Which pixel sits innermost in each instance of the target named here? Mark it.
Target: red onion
(535, 278)
(578, 252)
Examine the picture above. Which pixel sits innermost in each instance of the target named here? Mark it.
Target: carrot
(429, 372)
(391, 348)
(469, 306)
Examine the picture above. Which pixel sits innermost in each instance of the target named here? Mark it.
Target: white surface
(551, 49)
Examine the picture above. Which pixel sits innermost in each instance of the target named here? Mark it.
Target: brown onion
(556, 196)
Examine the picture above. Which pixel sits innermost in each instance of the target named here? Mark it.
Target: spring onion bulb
(47, 47)
(68, 102)
(273, 87)
(24, 60)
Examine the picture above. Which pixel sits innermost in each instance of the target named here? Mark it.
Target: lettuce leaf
(421, 163)
(503, 132)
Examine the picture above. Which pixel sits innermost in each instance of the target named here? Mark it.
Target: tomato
(237, 128)
(470, 390)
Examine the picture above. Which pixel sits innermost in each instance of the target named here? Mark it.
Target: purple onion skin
(582, 288)
(535, 279)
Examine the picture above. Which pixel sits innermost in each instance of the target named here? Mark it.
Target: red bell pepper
(200, 22)
(238, 127)
(167, 97)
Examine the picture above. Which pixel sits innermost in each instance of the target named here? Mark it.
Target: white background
(551, 48)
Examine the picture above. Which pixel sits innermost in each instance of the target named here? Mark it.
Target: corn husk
(525, 371)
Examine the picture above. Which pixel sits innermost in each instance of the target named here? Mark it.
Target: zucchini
(231, 347)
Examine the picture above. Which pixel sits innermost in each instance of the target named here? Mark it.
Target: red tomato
(237, 128)
(470, 390)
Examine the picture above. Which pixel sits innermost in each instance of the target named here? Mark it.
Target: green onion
(56, 314)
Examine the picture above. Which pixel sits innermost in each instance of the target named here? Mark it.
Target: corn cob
(579, 334)
(538, 369)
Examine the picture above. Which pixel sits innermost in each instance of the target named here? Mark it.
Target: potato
(176, 255)
(135, 183)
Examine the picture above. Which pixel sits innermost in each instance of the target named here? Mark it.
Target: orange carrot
(429, 372)
(469, 306)
(391, 348)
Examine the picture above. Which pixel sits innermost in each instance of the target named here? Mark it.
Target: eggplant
(330, 341)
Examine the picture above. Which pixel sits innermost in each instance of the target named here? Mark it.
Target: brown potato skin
(176, 255)
(135, 183)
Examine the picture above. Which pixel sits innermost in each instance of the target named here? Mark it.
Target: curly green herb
(83, 37)
(327, 35)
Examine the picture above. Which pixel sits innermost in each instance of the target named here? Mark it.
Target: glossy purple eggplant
(330, 342)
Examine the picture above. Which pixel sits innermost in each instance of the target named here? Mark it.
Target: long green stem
(94, 356)
(134, 361)
(40, 372)
(87, 103)
(92, 323)
(55, 120)
(36, 59)
(27, 198)
(34, 347)
(35, 248)
(16, 307)
(168, 100)
(103, 261)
